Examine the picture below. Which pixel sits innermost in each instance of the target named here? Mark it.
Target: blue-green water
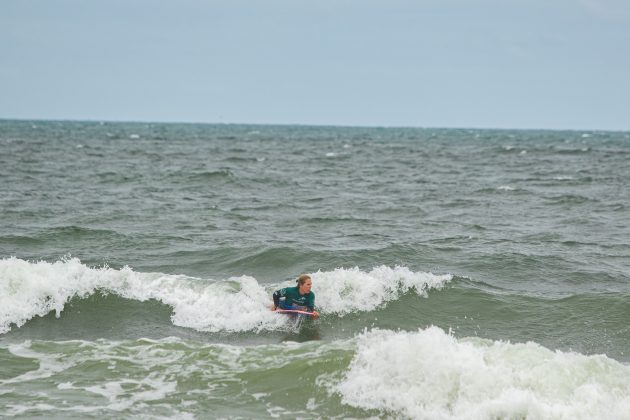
(459, 273)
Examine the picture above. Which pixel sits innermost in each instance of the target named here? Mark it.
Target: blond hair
(302, 279)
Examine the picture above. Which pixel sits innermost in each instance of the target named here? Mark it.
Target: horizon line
(108, 121)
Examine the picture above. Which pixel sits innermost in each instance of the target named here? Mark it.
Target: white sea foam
(429, 374)
(122, 392)
(48, 365)
(29, 289)
(342, 291)
(151, 388)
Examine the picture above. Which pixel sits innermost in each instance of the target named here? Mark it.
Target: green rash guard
(292, 297)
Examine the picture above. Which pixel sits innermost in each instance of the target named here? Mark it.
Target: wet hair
(302, 279)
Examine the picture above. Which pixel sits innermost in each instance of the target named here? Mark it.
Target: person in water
(298, 297)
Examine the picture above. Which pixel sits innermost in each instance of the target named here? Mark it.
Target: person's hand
(273, 307)
(315, 315)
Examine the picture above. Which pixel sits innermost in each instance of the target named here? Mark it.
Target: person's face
(306, 287)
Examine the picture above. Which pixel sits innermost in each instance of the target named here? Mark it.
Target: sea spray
(32, 289)
(29, 289)
(429, 374)
(235, 304)
(343, 291)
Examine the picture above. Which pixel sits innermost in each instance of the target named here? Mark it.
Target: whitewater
(234, 304)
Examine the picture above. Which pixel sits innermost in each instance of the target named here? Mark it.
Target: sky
(550, 64)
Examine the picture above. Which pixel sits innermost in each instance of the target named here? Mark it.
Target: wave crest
(343, 291)
(431, 374)
(29, 289)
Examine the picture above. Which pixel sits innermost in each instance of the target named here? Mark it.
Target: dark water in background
(138, 262)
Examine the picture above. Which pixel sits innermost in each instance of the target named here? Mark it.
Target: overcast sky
(427, 63)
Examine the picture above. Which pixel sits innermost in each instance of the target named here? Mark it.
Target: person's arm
(276, 298)
(311, 306)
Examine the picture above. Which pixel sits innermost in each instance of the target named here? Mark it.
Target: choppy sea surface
(460, 274)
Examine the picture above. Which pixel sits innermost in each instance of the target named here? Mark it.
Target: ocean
(459, 273)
